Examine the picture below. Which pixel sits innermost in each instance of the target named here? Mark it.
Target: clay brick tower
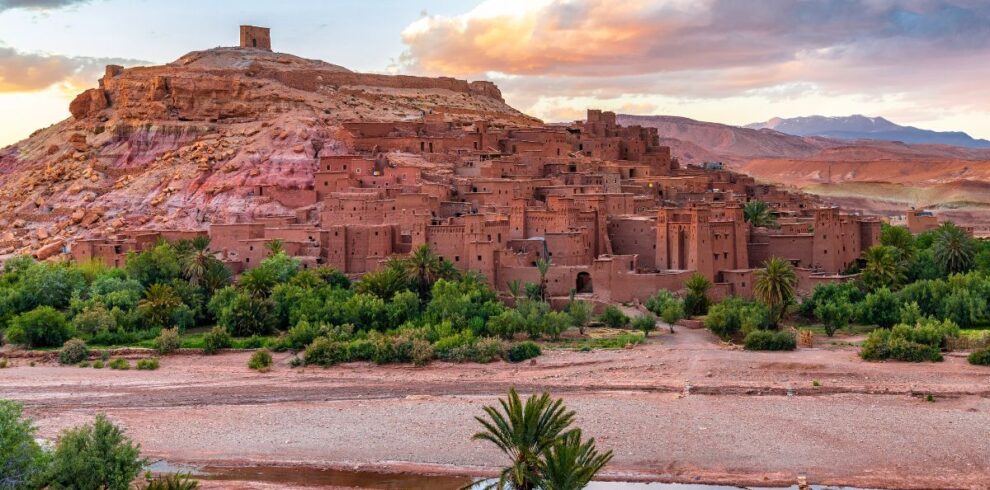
(256, 37)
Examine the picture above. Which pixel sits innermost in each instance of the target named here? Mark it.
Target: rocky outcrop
(195, 141)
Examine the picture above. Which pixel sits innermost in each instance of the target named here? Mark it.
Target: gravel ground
(683, 408)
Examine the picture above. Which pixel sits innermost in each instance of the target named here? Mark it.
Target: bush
(613, 317)
(172, 482)
(73, 351)
(261, 360)
(488, 349)
(769, 340)
(421, 352)
(727, 318)
(834, 315)
(881, 308)
(167, 341)
(301, 335)
(217, 338)
(980, 357)
(119, 363)
(325, 352)
(94, 319)
(23, 460)
(95, 456)
(911, 344)
(645, 323)
(148, 364)
(360, 350)
(97, 364)
(43, 326)
(522, 351)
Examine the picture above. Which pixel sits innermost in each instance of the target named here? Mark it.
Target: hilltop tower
(256, 37)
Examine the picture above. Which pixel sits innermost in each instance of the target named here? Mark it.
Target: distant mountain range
(860, 127)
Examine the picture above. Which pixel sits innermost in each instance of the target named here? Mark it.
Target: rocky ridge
(189, 143)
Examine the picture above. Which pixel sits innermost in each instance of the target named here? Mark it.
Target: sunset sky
(919, 62)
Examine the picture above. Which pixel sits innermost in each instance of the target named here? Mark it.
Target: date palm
(524, 431)
(158, 303)
(954, 251)
(383, 283)
(197, 259)
(275, 247)
(543, 266)
(424, 267)
(883, 268)
(757, 213)
(570, 464)
(775, 286)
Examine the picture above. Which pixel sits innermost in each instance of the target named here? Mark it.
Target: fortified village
(614, 212)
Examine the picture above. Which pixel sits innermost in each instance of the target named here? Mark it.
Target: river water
(317, 477)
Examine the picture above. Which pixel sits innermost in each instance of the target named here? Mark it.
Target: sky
(917, 62)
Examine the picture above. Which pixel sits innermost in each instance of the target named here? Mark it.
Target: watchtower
(256, 37)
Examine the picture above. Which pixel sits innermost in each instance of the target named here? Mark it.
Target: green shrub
(167, 341)
(22, 460)
(148, 364)
(95, 456)
(94, 319)
(301, 335)
(834, 315)
(261, 360)
(488, 349)
(769, 340)
(555, 323)
(119, 363)
(645, 323)
(73, 351)
(217, 338)
(421, 352)
(325, 352)
(97, 364)
(4, 363)
(613, 317)
(83, 364)
(43, 326)
(980, 357)
(360, 350)
(906, 343)
(522, 351)
(724, 318)
(172, 482)
(447, 346)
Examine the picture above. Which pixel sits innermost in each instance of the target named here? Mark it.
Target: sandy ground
(682, 408)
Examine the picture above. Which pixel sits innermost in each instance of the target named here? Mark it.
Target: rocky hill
(190, 142)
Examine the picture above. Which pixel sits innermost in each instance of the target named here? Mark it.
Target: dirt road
(682, 408)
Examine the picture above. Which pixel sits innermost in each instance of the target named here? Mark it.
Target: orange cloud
(26, 72)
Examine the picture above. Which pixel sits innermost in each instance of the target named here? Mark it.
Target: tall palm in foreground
(775, 286)
(570, 464)
(883, 268)
(696, 300)
(954, 250)
(524, 431)
(757, 213)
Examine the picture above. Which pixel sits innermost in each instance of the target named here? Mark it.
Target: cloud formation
(37, 4)
(26, 72)
(933, 51)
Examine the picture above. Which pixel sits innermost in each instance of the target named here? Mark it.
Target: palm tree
(543, 266)
(900, 238)
(196, 261)
(524, 432)
(954, 251)
(216, 277)
(696, 301)
(425, 267)
(775, 286)
(158, 303)
(383, 283)
(883, 268)
(515, 289)
(569, 464)
(275, 247)
(757, 213)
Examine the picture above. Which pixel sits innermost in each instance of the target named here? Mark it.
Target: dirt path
(748, 418)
